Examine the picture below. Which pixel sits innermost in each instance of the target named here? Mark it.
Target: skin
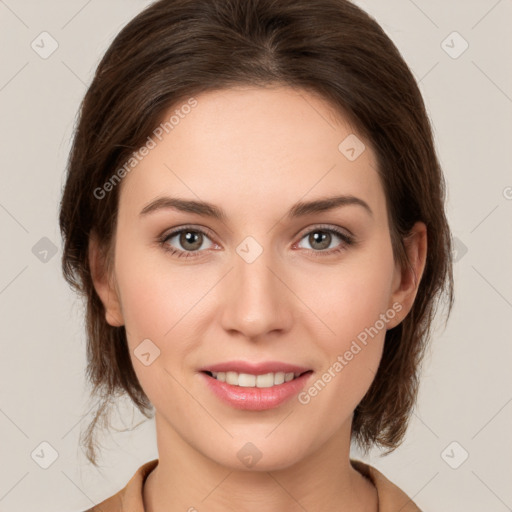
(255, 152)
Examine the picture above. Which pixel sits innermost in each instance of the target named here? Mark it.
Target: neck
(187, 480)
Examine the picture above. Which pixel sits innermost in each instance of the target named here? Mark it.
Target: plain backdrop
(458, 452)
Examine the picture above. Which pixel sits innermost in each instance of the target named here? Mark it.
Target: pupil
(321, 236)
(188, 237)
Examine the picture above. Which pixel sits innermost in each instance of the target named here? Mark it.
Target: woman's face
(268, 283)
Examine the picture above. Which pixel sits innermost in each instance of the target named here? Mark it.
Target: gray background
(466, 390)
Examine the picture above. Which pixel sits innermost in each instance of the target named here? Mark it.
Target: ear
(104, 283)
(406, 280)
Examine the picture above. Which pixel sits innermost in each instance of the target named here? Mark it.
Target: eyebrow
(299, 209)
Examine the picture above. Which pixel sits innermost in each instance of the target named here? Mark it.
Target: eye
(190, 239)
(321, 238)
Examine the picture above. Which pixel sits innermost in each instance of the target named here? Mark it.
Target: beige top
(129, 499)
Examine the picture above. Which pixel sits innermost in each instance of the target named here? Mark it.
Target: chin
(253, 453)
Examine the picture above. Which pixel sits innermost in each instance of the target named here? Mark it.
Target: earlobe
(103, 283)
(406, 280)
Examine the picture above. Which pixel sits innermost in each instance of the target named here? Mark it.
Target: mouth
(255, 386)
(249, 380)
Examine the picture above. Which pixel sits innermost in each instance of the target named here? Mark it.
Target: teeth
(246, 380)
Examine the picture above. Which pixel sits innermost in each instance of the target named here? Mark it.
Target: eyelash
(347, 241)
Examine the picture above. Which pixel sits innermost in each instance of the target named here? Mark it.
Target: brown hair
(175, 49)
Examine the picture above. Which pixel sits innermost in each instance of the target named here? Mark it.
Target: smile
(247, 380)
(255, 392)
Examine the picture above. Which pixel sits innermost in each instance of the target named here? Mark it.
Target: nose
(256, 301)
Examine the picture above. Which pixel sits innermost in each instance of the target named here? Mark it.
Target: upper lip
(255, 368)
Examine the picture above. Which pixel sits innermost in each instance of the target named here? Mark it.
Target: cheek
(150, 305)
(355, 307)
(353, 303)
(155, 293)
(351, 297)
(156, 304)
(161, 302)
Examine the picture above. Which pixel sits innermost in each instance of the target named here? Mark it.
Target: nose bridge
(254, 303)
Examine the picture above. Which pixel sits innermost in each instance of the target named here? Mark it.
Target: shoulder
(391, 497)
(130, 496)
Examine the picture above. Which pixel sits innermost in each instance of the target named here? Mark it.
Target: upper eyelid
(326, 227)
(178, 230)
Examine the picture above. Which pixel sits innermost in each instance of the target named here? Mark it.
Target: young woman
(254, 212)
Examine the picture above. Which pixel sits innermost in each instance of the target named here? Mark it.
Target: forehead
(254, 147)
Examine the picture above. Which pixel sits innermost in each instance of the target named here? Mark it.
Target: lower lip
(256, 399)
